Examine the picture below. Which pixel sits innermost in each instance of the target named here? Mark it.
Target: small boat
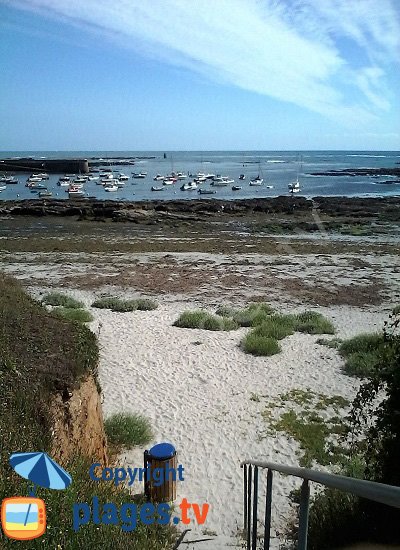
(269, 187)
(209, 176)
(191, 186)
(107, 176)
(206, 192)
(242, 177)
(80, 179)
(45, 194)
(294, 187)
(154, 188)
(158, 177)
(11, 179)
(33, 179)
(36, 186)
(256, 181)
(110, 188)
(43, 175)
(140, 175)
(169, 181)
(237, 187)
(181, 176)
(93, 178)
(222, 181)
(3, 187)
(123, 177)
(75, 191)
(120, 184)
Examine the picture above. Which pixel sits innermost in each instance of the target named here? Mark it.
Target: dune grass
(275, 326)
(361, 354)
(123, 306)
(128, 430)
(59, 299)
(253, 315)
(72, 314)
(203, 320)
(260, 345)
(313, 323)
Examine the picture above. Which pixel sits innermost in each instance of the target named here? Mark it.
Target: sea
(277, 168)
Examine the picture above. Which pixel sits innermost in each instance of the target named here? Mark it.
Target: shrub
(333, 343)
(128, 430)
(313, 323)
(275, 326)
(123, 306)
(226, 311)
(80, 315)
(253, 315)
(145, 304)
(58, 299)
(361, 343)
(361, 364)
(396, 310)
(204, 320)
(260, 345)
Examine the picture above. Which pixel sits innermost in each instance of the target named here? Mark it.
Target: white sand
(198, 398)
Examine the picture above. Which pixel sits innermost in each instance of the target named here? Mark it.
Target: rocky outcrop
(77, 423)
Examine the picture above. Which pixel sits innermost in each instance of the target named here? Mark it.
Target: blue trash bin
(160, 486)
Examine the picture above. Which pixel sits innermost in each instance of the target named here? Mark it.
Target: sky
(154, 75)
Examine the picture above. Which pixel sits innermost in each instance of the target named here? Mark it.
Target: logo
(24, 518)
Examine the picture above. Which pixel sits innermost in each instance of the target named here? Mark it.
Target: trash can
(160, 485)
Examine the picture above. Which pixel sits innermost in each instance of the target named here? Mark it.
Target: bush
(275, 326)
(128, 430)
(204, 320)
(226, 311)
(396, 310)
(145, 304)
(260, 345)
(253, 315)
(313, 323)
(361, 354)
(361, 343)
(80, 315)
(333, 343)
(124, 306)
(58, 299)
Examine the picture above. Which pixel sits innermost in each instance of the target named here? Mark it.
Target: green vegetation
(260, 345)
(333, 343)
(312, 431)
(313, 323)
(40, 354)
(59, 299)
(204, 320)
(123, 306)
(268, 326)
(396, 310)
(80, 315)
(127, 430)
(362, 354)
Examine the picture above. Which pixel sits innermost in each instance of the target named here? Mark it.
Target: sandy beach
(200, 391)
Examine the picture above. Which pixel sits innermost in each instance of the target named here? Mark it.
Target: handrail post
(268, 509)
(249, 506)
(245, 497)
(303, 514)
(255, 502)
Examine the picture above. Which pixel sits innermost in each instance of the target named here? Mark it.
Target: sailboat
(294, 186)
(258, 180)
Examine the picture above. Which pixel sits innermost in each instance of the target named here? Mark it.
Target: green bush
(128, 430)
(396, 310)
(361, 364)
(313, 323)
(204, 320)
(260, 345)
(80, 315)
(275, 326)
(124, 306)
(361, 343)
(253, 315)
(58, 299)
(145, 304)
(226, 311)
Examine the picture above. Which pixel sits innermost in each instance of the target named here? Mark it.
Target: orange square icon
(23, 518)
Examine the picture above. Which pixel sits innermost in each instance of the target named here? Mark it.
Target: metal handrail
(378, 492)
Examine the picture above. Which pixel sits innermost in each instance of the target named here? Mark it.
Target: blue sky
(200, 75)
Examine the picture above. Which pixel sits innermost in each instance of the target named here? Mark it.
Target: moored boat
(155, 188)
(206, 191)
(189, 186)
(236, 187)
(256, 181)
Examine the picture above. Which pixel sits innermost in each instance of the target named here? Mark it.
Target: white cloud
(290, 50)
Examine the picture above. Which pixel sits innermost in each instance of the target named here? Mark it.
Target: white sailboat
(294, 186)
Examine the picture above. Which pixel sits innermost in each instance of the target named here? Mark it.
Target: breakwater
(59, 166)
